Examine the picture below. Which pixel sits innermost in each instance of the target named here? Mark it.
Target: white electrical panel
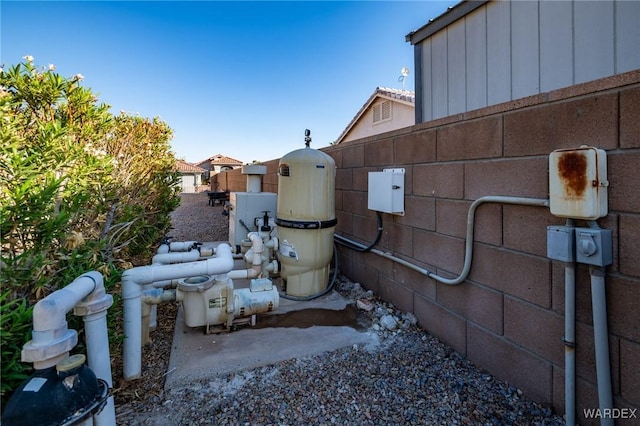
(578, 183)
(386, 191)
(244, 209)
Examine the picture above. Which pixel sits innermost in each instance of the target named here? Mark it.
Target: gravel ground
(409, 378)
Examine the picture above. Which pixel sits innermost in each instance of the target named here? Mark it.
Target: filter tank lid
(307, 155)
(198, 283)
(71, 362)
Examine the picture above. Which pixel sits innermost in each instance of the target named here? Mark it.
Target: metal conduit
(468, 255)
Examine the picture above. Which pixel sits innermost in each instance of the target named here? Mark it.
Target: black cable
(342, 240)
(326, 290)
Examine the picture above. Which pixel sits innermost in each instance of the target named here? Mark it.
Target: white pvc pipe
(254, 183)
(165, 284)
(150, 299)
(601, 340)
(166, 256)
(176, 257)
(52, 340)
(157, 295)
(570, 343)
(133, 279)
(255, 254)
(50, 312)
(468, 255)
(181, 245)
(93, 310)
(244, 273)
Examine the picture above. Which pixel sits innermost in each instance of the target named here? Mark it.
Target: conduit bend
(468, 255)
(132, 281)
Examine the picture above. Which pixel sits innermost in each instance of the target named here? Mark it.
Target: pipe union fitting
(50, 348)
(93, 306)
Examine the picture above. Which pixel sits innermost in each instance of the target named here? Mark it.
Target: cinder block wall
(508, 316)
(235, 181)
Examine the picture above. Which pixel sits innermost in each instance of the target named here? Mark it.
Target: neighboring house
(385, 110)
(190, 176)
(482, 53)
(218, 163)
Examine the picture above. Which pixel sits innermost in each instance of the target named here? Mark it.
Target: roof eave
(452, 14)
(365, 108)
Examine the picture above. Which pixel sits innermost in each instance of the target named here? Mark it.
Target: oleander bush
(81, 189)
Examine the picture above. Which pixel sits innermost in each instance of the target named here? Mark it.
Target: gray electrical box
(561, 243)
(386, 191)
(593, 246)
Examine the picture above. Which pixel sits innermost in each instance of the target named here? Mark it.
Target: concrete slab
(296, 329)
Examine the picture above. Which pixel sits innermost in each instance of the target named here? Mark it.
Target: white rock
(389, 322)
(365, 305)
(410, 318)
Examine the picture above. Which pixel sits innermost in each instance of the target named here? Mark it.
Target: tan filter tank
(305, 216)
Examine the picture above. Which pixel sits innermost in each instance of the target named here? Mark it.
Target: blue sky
(242, 79)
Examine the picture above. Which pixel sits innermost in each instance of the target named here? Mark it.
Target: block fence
(508, 316)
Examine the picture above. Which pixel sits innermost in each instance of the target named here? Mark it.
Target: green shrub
(80, 190)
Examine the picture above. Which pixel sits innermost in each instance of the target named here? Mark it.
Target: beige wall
(402, 116)
(508, 316)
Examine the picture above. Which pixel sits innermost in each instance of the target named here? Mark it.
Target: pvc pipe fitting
(176, 257)
(132, 281)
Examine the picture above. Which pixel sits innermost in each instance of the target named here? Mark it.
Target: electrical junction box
(244, 209)
(578, 183)
(561, 243)
(386, 191)
(593, 246)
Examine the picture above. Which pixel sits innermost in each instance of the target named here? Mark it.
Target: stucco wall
(402, 116)
(508, 316)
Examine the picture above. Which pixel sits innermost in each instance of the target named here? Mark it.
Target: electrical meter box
(244, 209)
(578, 183)
(386, 191)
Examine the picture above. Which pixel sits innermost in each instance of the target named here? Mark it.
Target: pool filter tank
(305, 216)
(65, 394)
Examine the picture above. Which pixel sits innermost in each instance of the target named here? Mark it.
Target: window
(382, 111)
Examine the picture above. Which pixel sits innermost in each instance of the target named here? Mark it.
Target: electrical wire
(361, 248)
(326, 290)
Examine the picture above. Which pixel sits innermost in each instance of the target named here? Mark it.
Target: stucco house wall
(190, 179)
(385, 110)
(402, 115)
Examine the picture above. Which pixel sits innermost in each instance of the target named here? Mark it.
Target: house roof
(184, 167)
(222, 160)
(406, 97)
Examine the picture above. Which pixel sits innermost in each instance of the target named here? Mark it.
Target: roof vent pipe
(254, 174)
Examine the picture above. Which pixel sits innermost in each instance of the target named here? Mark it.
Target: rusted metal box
(578, 183)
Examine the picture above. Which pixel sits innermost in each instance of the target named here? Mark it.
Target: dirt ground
(193, 220)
